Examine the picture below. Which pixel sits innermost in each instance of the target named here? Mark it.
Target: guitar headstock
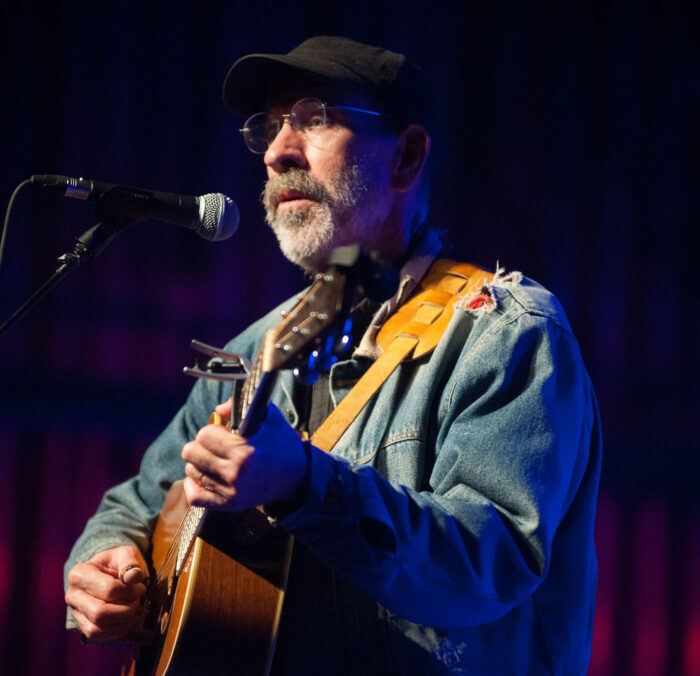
(308, 339)
(316, 331)
(310, 335)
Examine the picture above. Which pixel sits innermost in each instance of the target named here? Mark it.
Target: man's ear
(412, 147)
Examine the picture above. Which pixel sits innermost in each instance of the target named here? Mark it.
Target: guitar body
(220, 615)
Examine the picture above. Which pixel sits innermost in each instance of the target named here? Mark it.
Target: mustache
(293, 179)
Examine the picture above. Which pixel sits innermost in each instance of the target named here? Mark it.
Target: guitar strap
(411, 332)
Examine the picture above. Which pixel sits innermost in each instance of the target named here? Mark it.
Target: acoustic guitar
(215, 602)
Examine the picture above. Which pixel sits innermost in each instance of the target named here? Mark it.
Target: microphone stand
(88, 246)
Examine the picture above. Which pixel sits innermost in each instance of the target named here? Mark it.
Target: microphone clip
(95, 239)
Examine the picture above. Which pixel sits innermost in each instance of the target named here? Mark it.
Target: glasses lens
(259, 131)
(308, 115)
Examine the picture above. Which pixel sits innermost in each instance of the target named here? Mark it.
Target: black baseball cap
(385, 76)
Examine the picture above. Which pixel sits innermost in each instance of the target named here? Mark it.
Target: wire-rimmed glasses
(307, 116)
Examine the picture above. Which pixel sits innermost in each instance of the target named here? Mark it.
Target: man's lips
(291, 198)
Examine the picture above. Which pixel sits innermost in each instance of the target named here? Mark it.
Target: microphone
(212, 216)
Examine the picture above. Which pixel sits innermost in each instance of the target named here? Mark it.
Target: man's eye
(315, 121)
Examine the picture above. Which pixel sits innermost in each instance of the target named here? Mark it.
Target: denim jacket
(451, 528)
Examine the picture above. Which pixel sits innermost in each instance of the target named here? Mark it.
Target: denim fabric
(462, 500)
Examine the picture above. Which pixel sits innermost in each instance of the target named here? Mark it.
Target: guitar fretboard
(191, 523)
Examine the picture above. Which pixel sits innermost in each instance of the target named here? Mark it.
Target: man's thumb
(130, 564)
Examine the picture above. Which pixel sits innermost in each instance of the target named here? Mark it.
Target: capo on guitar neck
(219, 364)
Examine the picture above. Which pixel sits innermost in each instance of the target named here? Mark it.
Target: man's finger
(200, 497)
(128, 631)
(105, 586)
(107, 616)
(132, 573)
(120, 561)
(224, 409)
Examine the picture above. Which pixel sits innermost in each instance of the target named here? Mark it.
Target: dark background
(567, 146)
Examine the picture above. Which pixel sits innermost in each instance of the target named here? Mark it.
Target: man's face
(332, 189)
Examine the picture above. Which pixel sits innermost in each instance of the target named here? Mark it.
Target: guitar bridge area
(218, 364)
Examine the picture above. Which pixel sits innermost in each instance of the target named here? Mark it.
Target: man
(450, 529)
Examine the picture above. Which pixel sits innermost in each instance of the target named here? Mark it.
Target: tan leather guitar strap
(412, 331)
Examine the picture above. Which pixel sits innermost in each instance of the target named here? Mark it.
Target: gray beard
(307, 234)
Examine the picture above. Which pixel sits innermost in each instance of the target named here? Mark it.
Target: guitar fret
(191, 522)
(251, 385)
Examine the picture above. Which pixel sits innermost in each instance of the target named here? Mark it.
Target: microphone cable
(6, 222)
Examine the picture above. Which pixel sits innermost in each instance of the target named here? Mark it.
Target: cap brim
(249, 81)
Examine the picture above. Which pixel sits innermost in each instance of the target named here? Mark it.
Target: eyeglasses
(307, 116)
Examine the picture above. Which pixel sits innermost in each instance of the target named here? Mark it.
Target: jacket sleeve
(510, 448)
(127, 512)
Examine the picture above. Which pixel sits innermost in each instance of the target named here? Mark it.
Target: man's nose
(286, 150)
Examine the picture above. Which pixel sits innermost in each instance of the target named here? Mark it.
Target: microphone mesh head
(219, 217)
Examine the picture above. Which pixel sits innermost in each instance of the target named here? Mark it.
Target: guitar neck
(254, 405)
(254, 400)
(315, 312)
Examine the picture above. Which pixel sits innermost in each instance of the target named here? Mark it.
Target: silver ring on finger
(206, 486)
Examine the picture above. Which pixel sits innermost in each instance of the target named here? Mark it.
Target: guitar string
(189, 523)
